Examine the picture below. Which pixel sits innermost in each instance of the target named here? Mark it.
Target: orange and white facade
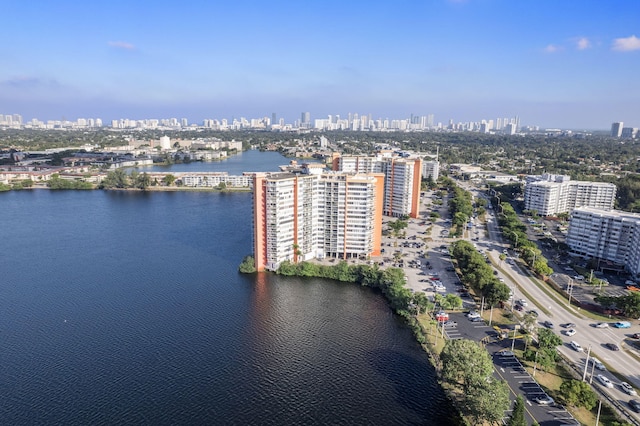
(403, 177)
(302, 217)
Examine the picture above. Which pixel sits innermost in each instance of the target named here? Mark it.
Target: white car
(576, 346)
(473, 314)
(604, 380)
(602, 325)
(544, 400)
(597, 364)
(570, 332)
(628, 389)
(523, 303)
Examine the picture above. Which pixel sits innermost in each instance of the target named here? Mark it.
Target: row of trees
(477, 273)
(628, 304)
(57, 183)
(515, 231)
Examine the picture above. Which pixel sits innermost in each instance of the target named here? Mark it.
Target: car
(518, 308)
(635, 336)
(568, 325)
(533, 312)
(628, 389)
(478, 319)
(473, 314)
(505, 353)
(442, 316)
(465, 294)
(548, 324)
(576, 346)
(612, 346)
(522, 303)
(450, 323)
(570, 332)
(604, 380)
(622, 324)
(597, 364)
(544, 400)
(602, 325)
(635, 405)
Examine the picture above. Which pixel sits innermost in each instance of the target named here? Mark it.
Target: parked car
(602, 325)
(544, 400)
(604, 380)
(622, 324)
(570, 332)
(628, 389)
(576, 346)
(505, 353)
(612, 346)
(477, 319)
(522, 303)
(473, 314)
(450, 323)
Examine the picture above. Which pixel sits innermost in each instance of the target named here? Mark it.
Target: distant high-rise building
(629, 132)
(305, 118)
(273, 118)
(616, 129)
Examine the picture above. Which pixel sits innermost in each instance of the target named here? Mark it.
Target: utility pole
(598, 416)
(570, 291)
(584, 375)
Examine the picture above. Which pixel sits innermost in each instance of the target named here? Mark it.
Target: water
(127, 308)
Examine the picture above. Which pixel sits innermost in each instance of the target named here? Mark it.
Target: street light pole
(586, 364)
(570, 291)
(535, 365)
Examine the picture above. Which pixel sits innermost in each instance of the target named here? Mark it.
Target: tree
(487, 401)
(248, 265)
(169, 180)
(465, 363)
(117, 178)
(517, 415)
(496, 292)
(578, 394)
(547, 339)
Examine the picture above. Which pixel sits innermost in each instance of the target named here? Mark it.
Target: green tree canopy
(465, 363)
(578, 394)
(517, 415)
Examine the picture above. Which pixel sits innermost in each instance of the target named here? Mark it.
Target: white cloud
(583, 43)
(626, 44)
(552, 48)
(121, 45)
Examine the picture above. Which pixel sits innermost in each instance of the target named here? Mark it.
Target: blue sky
(569, 64)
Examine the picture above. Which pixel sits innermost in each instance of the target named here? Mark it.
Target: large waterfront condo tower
(301, 217)
(402, 182)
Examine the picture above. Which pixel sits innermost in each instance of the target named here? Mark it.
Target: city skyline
(555, 65)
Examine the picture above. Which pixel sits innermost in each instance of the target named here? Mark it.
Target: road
(590, 337)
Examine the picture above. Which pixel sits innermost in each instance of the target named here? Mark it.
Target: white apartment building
(302, 217)
(431, 169)
(611, 235)
(558, 194)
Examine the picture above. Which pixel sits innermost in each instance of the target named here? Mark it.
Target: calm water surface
(127, 308)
